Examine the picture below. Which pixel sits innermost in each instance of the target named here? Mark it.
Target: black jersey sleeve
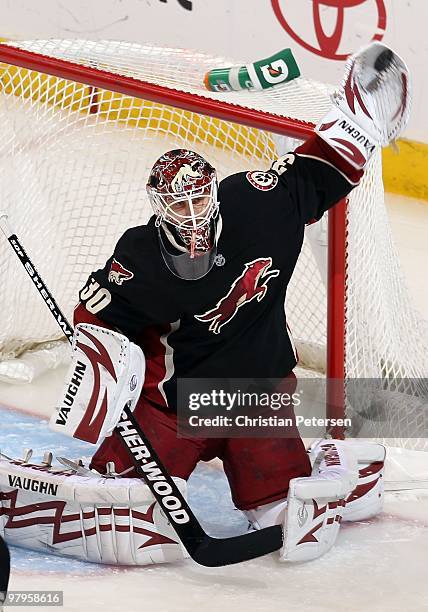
(110, 292)
(314, 178)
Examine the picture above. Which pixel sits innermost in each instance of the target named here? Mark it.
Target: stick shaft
(38, 282)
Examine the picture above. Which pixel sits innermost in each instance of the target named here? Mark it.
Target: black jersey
(230, 323)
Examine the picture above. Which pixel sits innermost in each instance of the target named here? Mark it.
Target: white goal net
(83, 122)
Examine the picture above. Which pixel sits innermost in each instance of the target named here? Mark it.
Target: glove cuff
(346, 137)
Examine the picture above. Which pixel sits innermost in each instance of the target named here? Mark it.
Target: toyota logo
(328, 44)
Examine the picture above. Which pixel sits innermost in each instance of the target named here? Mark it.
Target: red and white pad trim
(90, 517)
(346, 137)
(366, 500)
(371, 108)
(107, 372)
(315, 505)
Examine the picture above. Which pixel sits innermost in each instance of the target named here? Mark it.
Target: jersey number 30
(94, 297)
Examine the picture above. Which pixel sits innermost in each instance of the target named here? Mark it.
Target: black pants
(4, 569)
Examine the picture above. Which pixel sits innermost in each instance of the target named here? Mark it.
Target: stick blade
(214, 552)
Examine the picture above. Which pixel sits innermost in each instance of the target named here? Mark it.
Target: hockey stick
(205, 550)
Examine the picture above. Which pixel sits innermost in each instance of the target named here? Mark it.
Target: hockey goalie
(176, 300)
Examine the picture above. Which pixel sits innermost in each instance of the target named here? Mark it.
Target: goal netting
(82, 123)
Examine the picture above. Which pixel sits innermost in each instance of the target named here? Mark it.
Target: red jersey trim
(316, 148)
(159, 361)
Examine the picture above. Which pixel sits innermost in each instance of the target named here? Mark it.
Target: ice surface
(377, 565)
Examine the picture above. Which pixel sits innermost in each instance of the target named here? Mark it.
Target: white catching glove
(371, 108)
(107, 372)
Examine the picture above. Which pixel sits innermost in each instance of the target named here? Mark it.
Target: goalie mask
(182, 190)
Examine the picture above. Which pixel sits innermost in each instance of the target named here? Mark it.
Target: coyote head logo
(185, 173)
(118, 274)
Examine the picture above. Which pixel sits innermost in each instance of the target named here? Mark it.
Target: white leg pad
(311, 525)
(312, 513)
(267, 515)
(366, 500)
(90, 517)
(316, 504)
